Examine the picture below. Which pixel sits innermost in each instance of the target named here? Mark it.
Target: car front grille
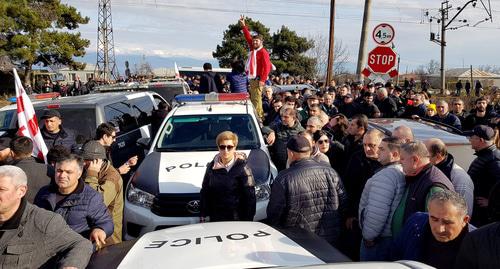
(176, 205)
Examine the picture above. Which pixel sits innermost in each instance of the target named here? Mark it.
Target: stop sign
(381, 59)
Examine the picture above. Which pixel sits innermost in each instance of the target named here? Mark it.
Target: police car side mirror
(144, 142)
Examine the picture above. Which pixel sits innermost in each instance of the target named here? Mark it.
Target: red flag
(26, 118)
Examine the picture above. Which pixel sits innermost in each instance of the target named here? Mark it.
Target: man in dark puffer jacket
(81, 206)
(307, 195)
(484, 170)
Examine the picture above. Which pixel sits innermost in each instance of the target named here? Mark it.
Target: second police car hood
(182, 172)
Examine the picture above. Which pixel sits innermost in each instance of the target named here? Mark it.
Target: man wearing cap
(484, 170)
(307, 194)
(53, 132)
(105, 179)
(258, 67)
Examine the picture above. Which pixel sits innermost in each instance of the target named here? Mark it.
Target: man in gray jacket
(446, 163)
(379, 200)
(31, 237)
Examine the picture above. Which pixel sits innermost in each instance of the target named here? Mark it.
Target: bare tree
(320, 53)
(432, 67)
(489, 68)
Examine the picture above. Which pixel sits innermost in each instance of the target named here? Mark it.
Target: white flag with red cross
(26, 118)
(176, 70)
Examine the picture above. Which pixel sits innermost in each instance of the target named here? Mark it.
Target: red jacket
(263, 61)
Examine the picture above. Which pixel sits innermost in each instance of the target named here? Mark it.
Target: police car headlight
(139, 197)
(262, 192)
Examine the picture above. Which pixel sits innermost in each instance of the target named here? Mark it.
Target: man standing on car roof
(258, 67)
(53, 132)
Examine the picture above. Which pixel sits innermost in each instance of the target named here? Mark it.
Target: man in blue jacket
(435, 238)
(81, 206)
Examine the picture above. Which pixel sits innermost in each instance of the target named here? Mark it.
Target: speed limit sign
(383, 34)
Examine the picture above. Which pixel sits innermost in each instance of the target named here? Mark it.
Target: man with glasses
(458, 110)
(362, 165)
(106, 136)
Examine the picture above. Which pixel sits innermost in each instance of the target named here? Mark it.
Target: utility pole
(362, 42)
(331, 47)
(106, 65)
(445, 25)
(444, 17)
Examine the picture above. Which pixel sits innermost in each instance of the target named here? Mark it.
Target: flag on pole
(176, 70)
(26, 118)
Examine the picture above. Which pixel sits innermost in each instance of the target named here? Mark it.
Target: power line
(283, 14)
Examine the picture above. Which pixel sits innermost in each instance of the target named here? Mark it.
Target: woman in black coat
(228, 189)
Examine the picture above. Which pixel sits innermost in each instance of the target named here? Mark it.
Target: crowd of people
(376, 197)
(63, 210)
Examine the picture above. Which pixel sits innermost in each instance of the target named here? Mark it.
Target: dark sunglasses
(224, 147)
(323, 141)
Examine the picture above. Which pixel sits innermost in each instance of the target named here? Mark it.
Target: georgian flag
(26, 118)
(176, 70)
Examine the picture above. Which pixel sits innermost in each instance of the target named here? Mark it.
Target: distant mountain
(154, 61)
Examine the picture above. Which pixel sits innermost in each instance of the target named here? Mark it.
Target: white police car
(231, 245)
(164, 191)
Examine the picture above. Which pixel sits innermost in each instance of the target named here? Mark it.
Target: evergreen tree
(40, 32)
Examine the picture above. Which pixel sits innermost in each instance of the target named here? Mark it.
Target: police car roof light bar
(211, 97)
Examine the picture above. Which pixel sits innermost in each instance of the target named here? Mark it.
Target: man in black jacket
(307, 195)
(480, 115)
(210, 81)
(484, 170)
(481, 248)
(21, 148)
(444, 115)
(386, 105)
(53, 132)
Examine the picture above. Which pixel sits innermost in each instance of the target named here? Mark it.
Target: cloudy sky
(176, 28)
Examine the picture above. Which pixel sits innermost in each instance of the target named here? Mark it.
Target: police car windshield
(198, 132)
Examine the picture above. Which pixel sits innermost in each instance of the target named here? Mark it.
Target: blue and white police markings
(205, 240)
